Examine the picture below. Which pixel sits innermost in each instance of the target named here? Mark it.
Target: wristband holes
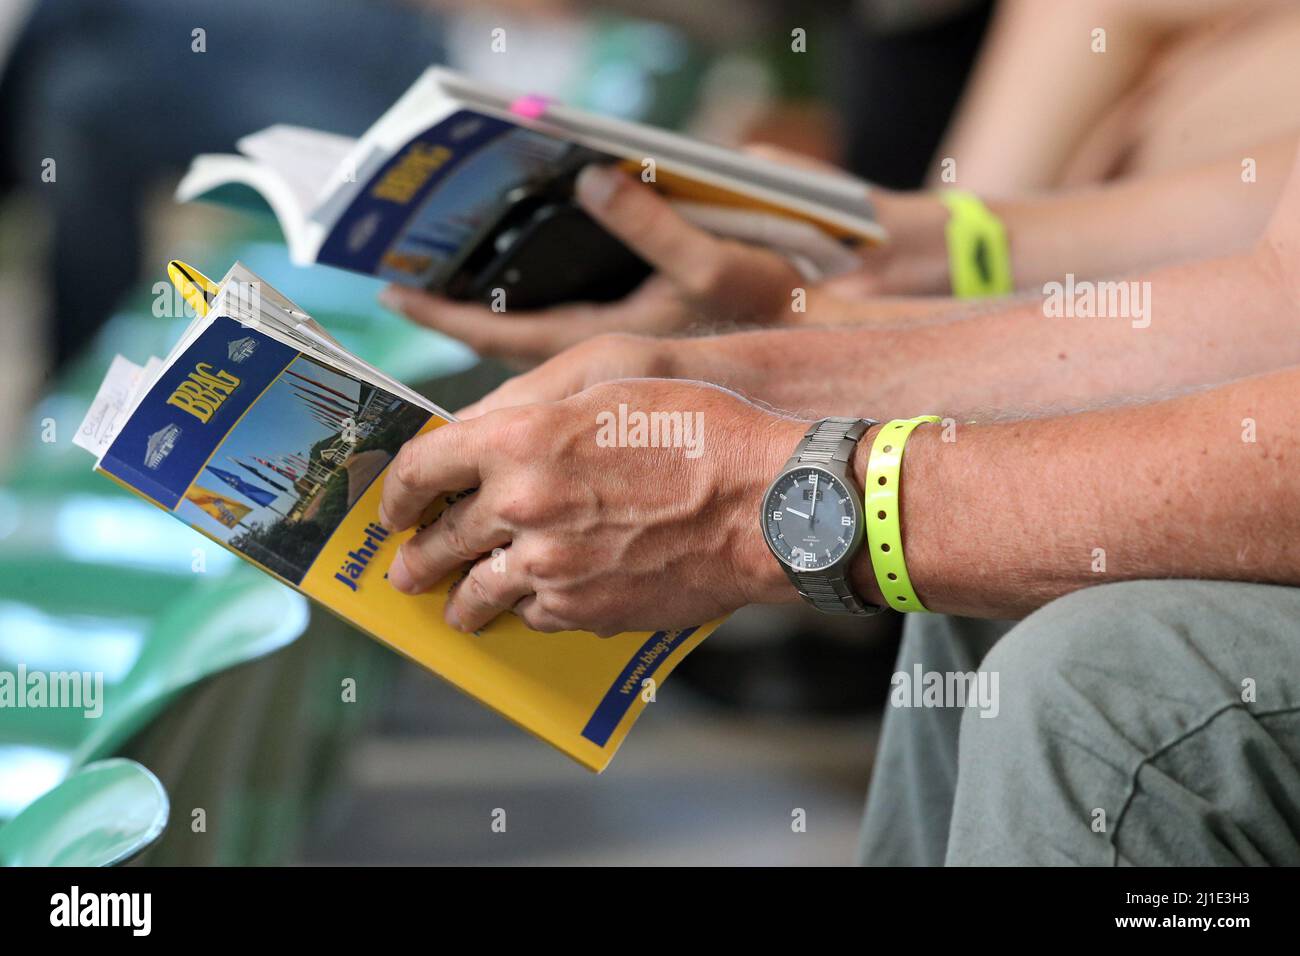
(881, 480)
(887, 449)
(892, 576)
(880, 515)
(884, 547)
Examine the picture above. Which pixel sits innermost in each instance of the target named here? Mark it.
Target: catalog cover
(419, 211)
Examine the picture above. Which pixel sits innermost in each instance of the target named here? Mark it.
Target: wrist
(915, 260)
(915, 505)
(862, 575)
(758, 571)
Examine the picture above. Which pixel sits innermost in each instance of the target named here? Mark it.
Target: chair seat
(102, 815)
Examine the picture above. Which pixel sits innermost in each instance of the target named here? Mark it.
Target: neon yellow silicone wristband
(884, 534)
(979, 258)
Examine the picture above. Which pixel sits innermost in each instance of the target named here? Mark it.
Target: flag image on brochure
(263, 434)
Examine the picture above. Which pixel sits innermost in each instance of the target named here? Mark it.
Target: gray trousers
(1141, 723)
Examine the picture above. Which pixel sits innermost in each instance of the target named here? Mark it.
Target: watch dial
(810, 518)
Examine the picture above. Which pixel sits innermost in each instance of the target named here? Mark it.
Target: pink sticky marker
(530, 107)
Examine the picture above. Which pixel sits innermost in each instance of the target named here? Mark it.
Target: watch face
(811, 519)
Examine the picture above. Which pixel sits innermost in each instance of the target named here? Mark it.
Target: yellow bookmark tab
(196, 288)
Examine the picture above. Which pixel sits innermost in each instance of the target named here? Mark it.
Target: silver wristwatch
(812, 516)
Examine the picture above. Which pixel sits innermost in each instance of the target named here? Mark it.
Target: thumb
(645, 223)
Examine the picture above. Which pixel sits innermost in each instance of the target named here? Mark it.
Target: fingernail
(398, 576)
(383, 518)
(595, 184)
(391, 297)
(453, 617)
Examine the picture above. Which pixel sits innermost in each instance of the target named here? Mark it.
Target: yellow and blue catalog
(278, 451)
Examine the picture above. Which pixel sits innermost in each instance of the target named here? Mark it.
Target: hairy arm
(1094, 232)
(703, 281)
(1006, 517)
(1198, 323)
(1141, 223)
(997, 519)
(1202, 323)
(1208, 322)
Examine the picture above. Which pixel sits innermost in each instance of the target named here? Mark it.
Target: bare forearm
(1009, 516)
(1138, 224)
(1096, 232)
(1203, 323)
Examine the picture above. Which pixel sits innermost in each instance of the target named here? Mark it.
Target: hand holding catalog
(467, 191)
(263, 434)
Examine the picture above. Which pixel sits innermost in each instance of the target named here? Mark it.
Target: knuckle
(477, 592)
(453, 536)
(540, 620)
(561, 608)
(417, 561)
(517, 430)
(545, 561)
(525, 506)
(407, 467)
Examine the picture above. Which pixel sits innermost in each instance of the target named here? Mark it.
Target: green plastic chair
(93, 532)
(239, 618)
(82, 580)
(102, 815)
(207, 626)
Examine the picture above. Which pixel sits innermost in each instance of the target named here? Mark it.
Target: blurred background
(102, 106)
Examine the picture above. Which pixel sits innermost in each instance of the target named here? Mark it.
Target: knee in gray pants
(1126, 732)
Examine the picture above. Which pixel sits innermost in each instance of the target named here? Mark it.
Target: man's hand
(599, 532)
(699, 278)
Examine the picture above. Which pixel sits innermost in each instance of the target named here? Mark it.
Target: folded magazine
(263, 434)
(464, 189)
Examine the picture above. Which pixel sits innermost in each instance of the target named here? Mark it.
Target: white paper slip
(112, 401)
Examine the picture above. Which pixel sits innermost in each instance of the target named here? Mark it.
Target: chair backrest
(218, 625)
(102, 815)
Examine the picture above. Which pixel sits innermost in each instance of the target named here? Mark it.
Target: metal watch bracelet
(830, 443)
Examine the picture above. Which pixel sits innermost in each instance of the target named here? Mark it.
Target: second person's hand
(699, 279)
